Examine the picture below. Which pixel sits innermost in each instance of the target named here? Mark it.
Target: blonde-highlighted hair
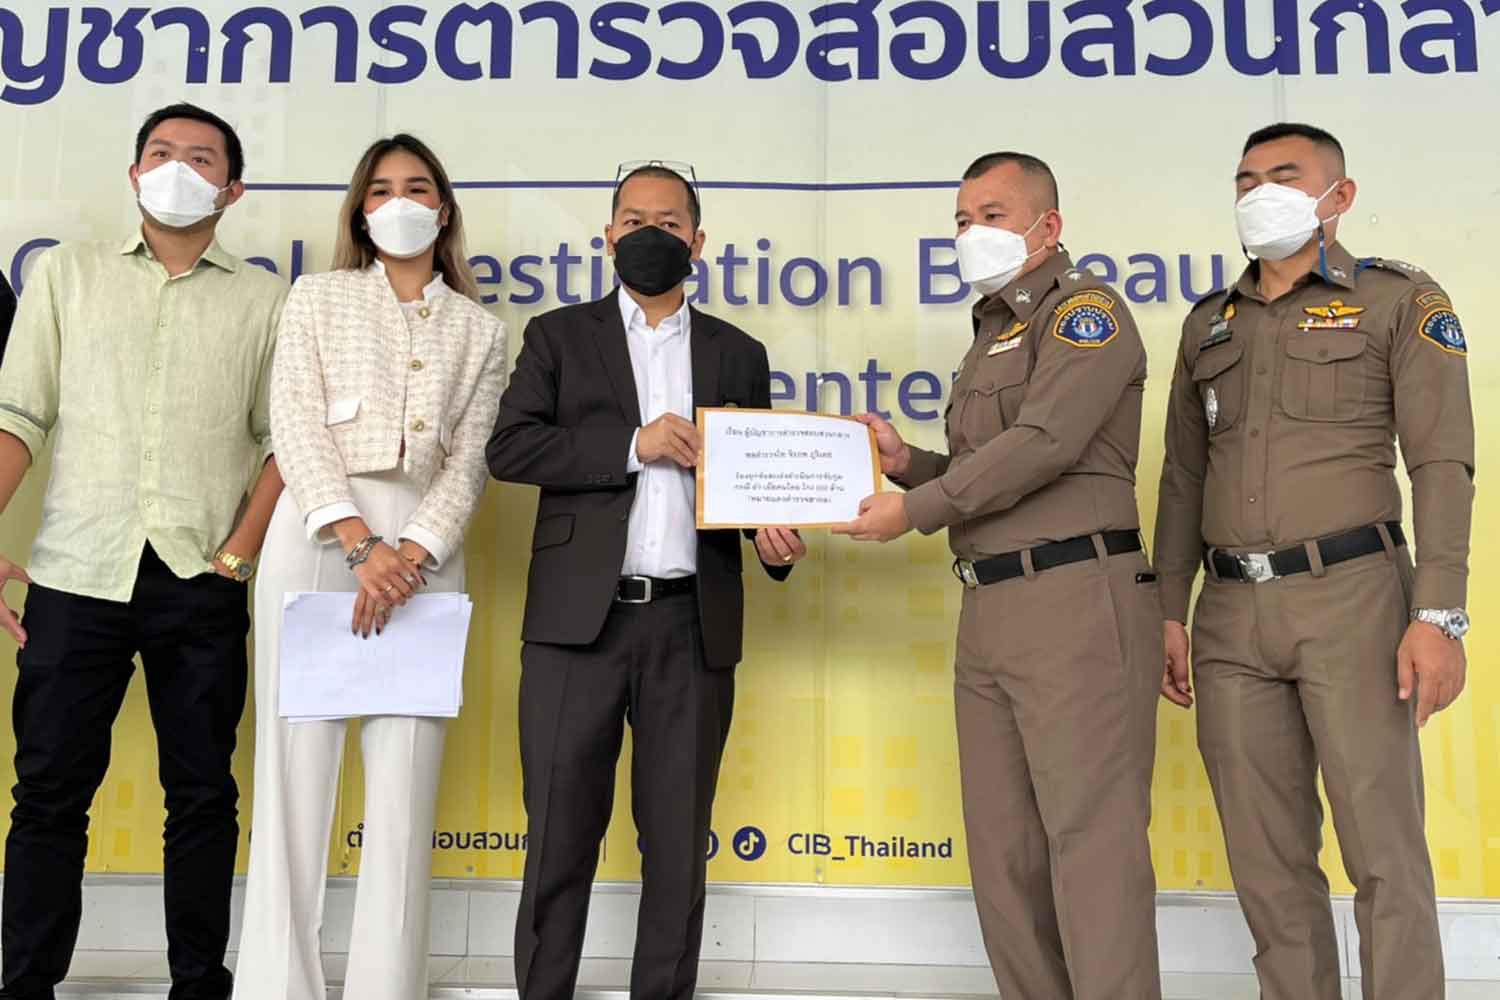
(354, 250)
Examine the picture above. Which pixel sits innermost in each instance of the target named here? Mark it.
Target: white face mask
(177, 196)
(1275, 221)
(403, 228)
(989, 258)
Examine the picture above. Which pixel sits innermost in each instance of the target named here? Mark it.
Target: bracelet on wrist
(361, 551)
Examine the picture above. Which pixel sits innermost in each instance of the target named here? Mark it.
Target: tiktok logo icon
(749, 843)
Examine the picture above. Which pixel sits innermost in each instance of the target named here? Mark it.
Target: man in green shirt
(147, 364)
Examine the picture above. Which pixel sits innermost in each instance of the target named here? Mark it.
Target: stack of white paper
(414, 667)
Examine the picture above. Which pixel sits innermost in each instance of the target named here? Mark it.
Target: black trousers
(74, 671)
(647, 667)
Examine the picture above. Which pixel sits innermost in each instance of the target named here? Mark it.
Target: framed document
(783, 469)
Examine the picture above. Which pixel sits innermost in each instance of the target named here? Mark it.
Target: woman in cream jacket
(387, 378)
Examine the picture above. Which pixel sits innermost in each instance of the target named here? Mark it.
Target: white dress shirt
(663, 536)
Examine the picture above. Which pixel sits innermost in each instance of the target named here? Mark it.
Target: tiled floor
(105, 975)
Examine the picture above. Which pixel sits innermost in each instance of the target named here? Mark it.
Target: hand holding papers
(416, 667)
(765, 468)
(882, 516)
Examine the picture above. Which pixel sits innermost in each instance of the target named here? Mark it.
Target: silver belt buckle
(967, 575)
(1257, 567)
(645, 586)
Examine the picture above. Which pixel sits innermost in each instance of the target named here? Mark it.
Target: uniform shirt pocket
(994, 398)
(1323, 376)
(341, 411)
(1220, 377)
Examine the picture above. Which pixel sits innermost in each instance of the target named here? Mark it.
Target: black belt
(995, 569)
(645, 589)
(1258, 567)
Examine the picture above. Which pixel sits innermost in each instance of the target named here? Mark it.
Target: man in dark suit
(631, 613)
(7, 313)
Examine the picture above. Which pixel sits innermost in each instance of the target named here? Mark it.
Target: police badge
(1211, 407)
(1086, 319)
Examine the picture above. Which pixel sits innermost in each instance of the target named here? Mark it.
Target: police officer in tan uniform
(1059, 642)
(1316, 643)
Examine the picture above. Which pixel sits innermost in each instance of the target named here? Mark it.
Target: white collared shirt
(663, 536)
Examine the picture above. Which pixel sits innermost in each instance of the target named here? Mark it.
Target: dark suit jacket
(565, 424)
(7, 313)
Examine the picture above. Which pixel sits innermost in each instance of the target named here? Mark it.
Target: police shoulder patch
(1433, 299)
(1086, 320)
(1440, 326)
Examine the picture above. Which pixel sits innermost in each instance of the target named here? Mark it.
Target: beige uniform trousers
(1057, 682)
(1295, 675)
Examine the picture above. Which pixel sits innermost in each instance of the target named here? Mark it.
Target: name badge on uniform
(1219, 333)
(1218, 329)
(1211, 407)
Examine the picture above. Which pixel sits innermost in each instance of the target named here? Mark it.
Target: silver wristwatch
(1453, 621)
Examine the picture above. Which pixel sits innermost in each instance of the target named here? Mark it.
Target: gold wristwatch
(243, 569)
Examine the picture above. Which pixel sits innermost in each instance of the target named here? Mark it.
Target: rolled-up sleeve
(29, 377)
(260, 413)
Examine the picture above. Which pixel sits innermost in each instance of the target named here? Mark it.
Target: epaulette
(1408, 271)
(1078, 278)
(1216, 297)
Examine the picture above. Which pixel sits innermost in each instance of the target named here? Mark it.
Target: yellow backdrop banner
(828, 139)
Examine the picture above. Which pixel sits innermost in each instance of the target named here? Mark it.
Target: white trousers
(296, 790)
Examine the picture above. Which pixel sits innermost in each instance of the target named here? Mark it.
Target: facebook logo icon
(749, 843)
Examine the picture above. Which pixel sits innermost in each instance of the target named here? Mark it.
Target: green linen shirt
(155, 394)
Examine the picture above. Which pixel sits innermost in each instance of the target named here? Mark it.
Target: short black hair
(695, 209)
(1029, 165)
(192, 111)
(1286, 130)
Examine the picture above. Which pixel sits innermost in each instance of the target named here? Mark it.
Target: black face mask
(652, 261)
